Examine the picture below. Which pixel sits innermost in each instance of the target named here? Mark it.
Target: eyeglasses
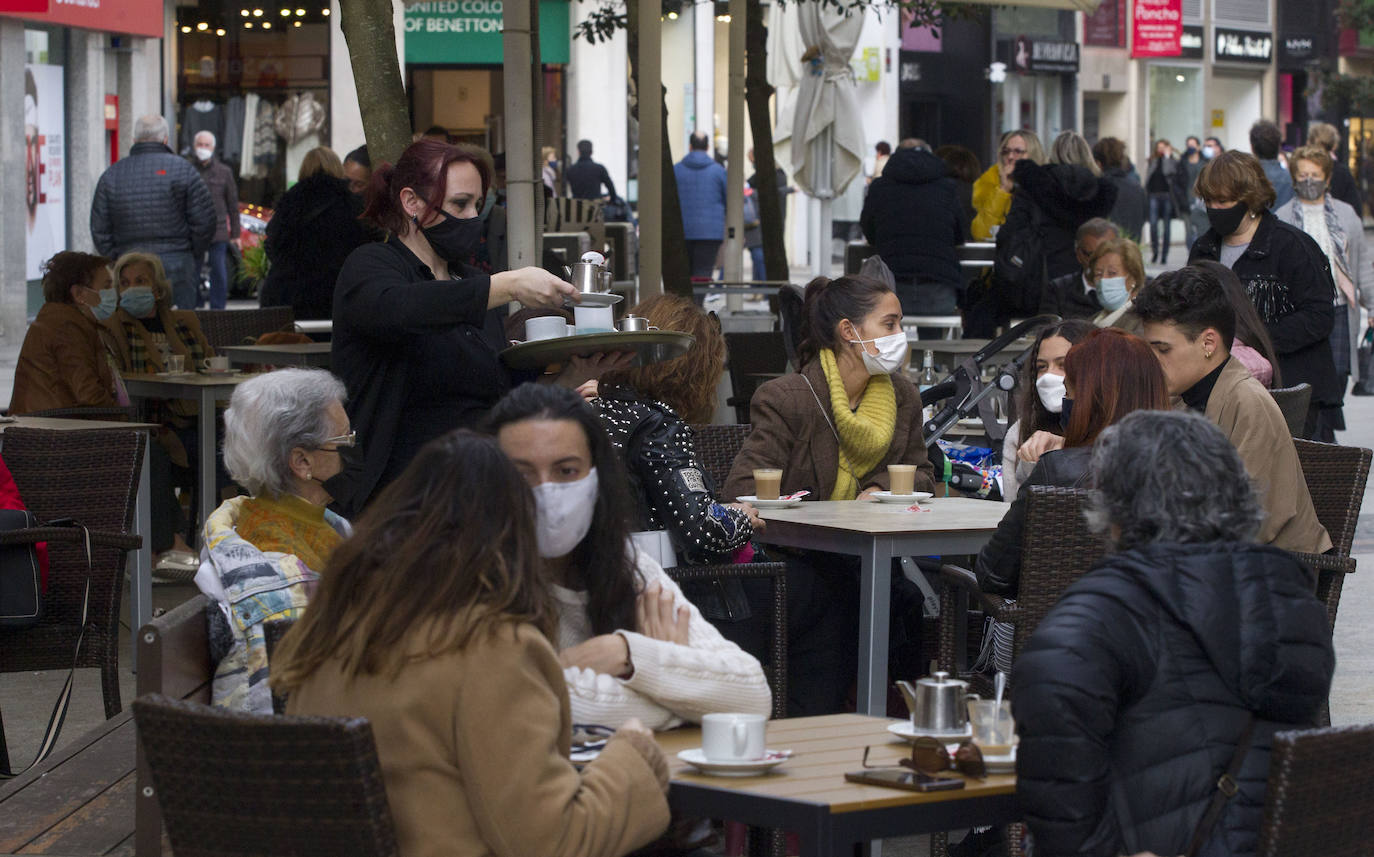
(930, 756)
(1020, 153)
(348, 440)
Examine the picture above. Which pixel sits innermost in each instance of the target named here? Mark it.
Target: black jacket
(152, 201)
(585, 178)
(1066, 196)
(999, 562)
(313, 229)
(674, 493)
(1288, 279)
(913, 218)
(1131, 695)
(1343, 186)
(418, 357)
(1065, 297)
(1131, 206)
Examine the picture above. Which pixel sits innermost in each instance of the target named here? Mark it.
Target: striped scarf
(143, 359)
(865, 433)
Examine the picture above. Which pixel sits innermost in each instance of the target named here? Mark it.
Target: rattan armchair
(224, 327)
(1321, 783)
(717, 446)
(1293, 402)
(1336, 477)
(231, 783)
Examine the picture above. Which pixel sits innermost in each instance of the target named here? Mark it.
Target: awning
(1086, 6)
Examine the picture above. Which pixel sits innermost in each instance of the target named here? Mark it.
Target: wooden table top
(72, 424)
(189, 379)
(302, 348)
(824, 748)
(945, 515)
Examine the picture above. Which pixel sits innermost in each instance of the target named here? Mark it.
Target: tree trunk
(677, 270)
(757, 91)
(371, 39)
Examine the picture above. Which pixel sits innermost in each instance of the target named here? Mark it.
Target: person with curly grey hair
(1173, 660)
(286, 435)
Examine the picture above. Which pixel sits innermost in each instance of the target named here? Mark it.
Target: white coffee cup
(545, 327)
(218, 363)
(594, 319)
(733, 737)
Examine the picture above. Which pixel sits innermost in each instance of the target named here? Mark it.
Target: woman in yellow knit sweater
(285, 436)
(992, 190)
(833, 428)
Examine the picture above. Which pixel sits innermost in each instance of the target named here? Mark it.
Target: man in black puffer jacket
(1132, 695)
(156, 202)
(913, 218)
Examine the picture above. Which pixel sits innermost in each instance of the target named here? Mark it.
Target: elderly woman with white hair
(1173, 661)
(285, 435)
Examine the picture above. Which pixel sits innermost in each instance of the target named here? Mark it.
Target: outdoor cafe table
(808, 795)
(876, 533)
(206, 390)
(141, 585)
(286, 354)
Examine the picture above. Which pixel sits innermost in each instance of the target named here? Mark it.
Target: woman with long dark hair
(1252, 345)
(631, 644)
(1039, 399)
(417, 335)
(435, 623)
(1107, 375)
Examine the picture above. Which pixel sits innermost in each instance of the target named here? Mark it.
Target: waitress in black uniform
(417, 334)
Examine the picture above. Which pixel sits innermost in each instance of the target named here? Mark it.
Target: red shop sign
(1158, 28)
(134, 17)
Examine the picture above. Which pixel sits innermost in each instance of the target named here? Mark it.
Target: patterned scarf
(143, 359)
(866, 433)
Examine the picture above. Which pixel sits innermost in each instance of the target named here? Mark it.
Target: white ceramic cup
(545, 327)
(594, 319)
(733, 737)
(218, 363)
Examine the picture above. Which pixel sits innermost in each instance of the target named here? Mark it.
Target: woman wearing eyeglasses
(992, 191)
(286, 436)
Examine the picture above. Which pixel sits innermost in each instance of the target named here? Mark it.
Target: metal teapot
(938, 703)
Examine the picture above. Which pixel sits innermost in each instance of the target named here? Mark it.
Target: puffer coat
(152, 201)
(1132, 694)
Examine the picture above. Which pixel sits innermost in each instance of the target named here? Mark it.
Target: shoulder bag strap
(64, 698)
(1226, 789)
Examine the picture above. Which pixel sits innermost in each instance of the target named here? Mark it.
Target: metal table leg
(205, 424)
(875, 591)
(141, 560)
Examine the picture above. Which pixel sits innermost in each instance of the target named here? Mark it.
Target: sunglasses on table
(931, 756)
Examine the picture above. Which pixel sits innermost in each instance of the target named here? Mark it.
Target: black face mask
(455, 239)
(1066, 413)
(350, 462)
(1227, 220)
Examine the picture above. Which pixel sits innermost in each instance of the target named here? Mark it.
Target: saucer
(182, 374)
(907, 732)
(596, 299)
(742, 768)
(770, 504)
(902, 499)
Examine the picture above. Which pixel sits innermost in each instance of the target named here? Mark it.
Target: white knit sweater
(671, 683)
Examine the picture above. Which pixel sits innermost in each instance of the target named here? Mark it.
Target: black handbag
(21, 598)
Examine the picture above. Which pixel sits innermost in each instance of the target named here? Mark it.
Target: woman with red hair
(1107, 375)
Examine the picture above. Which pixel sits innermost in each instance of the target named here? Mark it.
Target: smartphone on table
(901, 778)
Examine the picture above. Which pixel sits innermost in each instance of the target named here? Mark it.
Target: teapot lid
(940, 677)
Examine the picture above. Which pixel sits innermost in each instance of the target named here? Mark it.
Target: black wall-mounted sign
(1193, 43)
(1243, 45)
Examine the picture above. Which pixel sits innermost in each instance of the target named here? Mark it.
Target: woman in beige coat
(434, 622)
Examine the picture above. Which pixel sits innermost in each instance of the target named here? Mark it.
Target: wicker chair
(301, 786)
(1321, 783)
(717, 446)
(776, 668)
(751, 355)
(1293, 402)
(1056, 550)
(224, 327)
(1335, 477)
(92, 478)
(272, 632)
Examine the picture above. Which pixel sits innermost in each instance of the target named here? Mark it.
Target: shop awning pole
(650, 155)
(522, 179)
(734, 200)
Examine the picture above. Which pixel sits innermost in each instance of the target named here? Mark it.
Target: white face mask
(1112, 292)
(891, 356)
(564, 514)
(203, 153)
(1050, 388)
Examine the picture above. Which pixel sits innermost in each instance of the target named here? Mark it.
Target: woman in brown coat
(434, 622)
(833, 428)
(63, 362)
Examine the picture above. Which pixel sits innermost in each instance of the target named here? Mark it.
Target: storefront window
(1176, 109)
